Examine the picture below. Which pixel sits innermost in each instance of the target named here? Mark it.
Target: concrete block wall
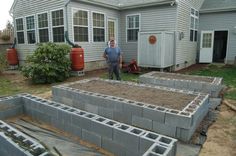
(115, 137)
(11, 141)
(213, 88)
(10, 106)
(147, 116)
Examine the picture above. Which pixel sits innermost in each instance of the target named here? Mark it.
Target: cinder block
(184, 134)
(174, 118)
(169, 142)
(12, 110)
(92, 137)
(124, 116)
(105, 112)
(195, 86)
(112, 146)
(134, 108)
(91, 108)
(102, 127)
(147, 140)
(142, 122)
(154, 113)
(214, 102)
(164, 129)
(74, 130)
(158, 150)
(181, 84)
(83, 121)
(124, 135)
(50, 110)
(64, 116)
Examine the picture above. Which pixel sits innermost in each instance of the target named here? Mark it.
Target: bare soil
(183, 77)
(221, 136)
(168, 99)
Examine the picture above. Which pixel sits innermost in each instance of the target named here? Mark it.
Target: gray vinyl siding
(186, 51)
(222, 21)
(218, 4)
(93, 51)
(24, 8)
(152, 19)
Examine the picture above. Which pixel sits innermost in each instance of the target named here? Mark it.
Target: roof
(117, 4)
(218, 6)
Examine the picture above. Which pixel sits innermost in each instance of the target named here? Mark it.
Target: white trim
(126, 29)
(99, 27)
(58, 9)
(43, 27)
(73, 36)
(35, 33)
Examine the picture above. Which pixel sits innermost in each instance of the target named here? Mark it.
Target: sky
(5, 6)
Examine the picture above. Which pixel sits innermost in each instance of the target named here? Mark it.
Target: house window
(111, 29)
(132, 28)
(80, 20)
(194, 25)
(43, 27)
(58, 26)
(98, 27)
(20, 31)
(30, 25)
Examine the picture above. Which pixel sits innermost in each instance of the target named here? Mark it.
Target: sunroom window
(43, 27)
(58, 26)
(80, 21)
(98, 27)
(30, 25)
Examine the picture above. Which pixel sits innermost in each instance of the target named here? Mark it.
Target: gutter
(120, 7)
(66, 14)
(218, 10)
(171, 2)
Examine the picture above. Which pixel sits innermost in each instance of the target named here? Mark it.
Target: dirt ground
(221, 136)
(153, 96)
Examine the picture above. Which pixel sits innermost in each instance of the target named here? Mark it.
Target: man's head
(112, 43)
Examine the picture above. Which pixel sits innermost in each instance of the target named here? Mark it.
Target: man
(112, 54)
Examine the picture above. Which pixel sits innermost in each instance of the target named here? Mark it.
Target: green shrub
(3, 62)
(48, 64)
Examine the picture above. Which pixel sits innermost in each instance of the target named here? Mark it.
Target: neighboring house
(218, 31)
(91, 23)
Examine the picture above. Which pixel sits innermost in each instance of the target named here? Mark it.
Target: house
(218, 31)
(91, 23)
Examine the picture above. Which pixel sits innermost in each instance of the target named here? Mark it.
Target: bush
(48, 64)
(3, 62)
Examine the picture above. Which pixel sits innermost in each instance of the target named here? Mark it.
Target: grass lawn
(11, 87)
(227, 72)
(124, 76)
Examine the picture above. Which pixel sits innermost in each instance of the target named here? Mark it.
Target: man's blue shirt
(113, 54)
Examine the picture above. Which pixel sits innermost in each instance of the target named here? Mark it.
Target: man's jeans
(114, 68)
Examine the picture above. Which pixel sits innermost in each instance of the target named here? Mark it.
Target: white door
(112, 29)
(206, 47)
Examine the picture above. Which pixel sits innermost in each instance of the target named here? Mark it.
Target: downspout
(67, 27)
(175, 4)
(14, 42)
